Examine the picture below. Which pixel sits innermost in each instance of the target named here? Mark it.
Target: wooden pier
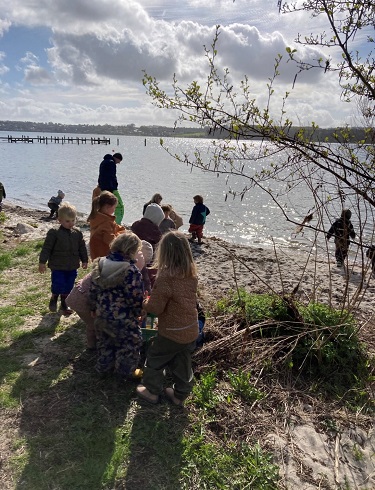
(57, 139)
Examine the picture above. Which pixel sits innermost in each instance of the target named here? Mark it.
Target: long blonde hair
(174, 257)
(98, 202)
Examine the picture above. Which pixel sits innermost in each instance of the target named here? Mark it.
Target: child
(156, 199)
(147, 228)
(63, 248)
(178, 221)
(116, 295)
(167, 224)
(54, 203)
(342, 230)
(174, 301)
(103, 226)
(198, 219)
(78, 299)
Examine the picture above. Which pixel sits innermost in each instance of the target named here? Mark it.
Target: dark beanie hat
(117, 155)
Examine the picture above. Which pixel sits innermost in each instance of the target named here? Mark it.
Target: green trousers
(119, 211)
(164, 353)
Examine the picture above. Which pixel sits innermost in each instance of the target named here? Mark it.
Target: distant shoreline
(326, 135)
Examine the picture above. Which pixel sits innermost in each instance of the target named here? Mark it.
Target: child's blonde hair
(174, 257)
(67, 211)
(126, 243)
(104, 198)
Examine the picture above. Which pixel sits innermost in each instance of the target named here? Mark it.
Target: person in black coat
(107, 181)
(342, 230)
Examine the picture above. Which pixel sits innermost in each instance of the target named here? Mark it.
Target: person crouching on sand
(54, 203)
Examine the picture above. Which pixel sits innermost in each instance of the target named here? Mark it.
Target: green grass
(76, 430)
(235, 466)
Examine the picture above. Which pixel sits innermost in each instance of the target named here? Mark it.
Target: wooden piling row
(56, 139)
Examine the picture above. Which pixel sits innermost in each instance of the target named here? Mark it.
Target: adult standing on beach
(107, 181)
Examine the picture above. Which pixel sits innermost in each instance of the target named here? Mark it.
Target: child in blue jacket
(198, 219)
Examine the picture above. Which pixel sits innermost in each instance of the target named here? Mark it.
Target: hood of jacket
(108, 156)
(109, 273)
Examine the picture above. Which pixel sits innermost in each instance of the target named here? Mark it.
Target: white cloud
(99, 49)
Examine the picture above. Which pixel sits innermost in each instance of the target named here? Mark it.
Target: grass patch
(236, 466)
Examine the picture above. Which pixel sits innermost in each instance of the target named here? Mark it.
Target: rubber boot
(53, 303)
(65, 310)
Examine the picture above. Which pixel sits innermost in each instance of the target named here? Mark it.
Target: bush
(321, 343)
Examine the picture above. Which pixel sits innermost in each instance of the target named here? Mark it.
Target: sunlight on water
(32, 173)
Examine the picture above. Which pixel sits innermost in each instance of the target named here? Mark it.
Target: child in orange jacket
(103, 226)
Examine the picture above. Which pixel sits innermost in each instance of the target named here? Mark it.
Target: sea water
(33, 172)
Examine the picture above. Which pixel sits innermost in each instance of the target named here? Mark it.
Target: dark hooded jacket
(107, 180)
(342, 229)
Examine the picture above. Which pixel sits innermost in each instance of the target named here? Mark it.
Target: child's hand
(42, 268)
(84, 266)
(146, 297)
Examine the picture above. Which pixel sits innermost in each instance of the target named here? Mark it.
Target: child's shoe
(169, 393)
(144, 394)
(53, 303)
(65, 310)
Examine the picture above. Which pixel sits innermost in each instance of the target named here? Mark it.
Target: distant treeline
(316, 134)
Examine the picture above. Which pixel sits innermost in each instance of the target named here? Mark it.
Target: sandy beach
(223, 266)
(308, 457)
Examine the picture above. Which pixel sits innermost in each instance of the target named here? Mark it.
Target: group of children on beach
(147, 269)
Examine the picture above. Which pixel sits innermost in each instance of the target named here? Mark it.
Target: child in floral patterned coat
(116, 296)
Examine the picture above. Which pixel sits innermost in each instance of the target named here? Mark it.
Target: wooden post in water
(145, 141)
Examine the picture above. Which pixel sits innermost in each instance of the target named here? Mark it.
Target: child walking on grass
(342, 230)
(116, 295)
(64, 248)
(198, 219)
(103, 226)
(173, 300)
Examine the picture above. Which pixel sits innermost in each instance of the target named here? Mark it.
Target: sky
(82, 61)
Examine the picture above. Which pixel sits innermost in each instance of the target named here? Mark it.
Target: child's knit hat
(154, 213)
(147, 251)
